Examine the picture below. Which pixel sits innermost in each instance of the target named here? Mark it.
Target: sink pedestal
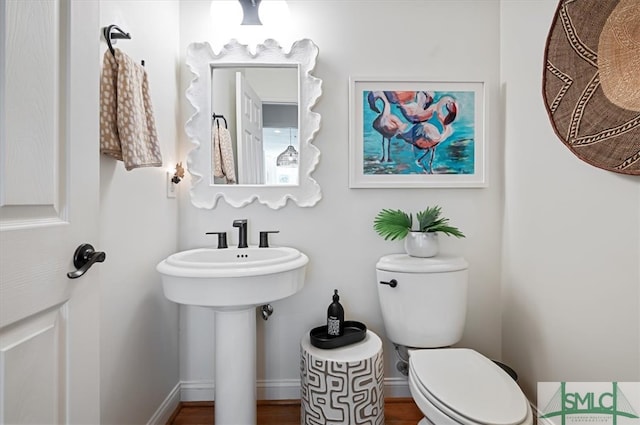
(235, 366)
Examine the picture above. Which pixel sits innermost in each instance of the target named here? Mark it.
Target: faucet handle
(264, 238)
(222, 239)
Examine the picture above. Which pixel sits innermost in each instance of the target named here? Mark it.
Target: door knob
(84, 257)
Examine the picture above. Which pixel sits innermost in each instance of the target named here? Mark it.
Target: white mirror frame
(200, 59)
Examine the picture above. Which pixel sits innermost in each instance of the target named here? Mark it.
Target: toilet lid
(404, 263)
(470, 385)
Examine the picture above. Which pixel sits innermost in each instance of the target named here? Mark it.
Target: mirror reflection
(255, 125)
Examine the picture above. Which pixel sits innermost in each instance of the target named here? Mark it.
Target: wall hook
(109, 34)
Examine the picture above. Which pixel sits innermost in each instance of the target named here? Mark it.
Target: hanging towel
(127, 125)
(223, 165)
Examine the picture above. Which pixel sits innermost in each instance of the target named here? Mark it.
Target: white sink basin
(232, 277)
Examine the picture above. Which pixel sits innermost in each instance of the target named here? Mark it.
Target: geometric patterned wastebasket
(342, 385)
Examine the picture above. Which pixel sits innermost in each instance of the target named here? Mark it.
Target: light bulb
(274, 13)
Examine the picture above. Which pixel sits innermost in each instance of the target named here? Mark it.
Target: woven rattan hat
(591, 81)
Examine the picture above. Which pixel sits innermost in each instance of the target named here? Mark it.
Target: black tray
(353, 332)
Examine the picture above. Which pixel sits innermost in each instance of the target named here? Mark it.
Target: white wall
(138, 227)
(571, 286)
(433, 40)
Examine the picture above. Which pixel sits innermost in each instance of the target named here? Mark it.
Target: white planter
(421, 244)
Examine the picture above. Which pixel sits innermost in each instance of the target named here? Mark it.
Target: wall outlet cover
(171, 186)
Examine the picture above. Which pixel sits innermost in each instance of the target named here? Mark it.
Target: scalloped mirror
(218, 95)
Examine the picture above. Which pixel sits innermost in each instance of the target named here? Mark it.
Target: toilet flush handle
(393, 283)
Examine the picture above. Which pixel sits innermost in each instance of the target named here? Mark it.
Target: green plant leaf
(396, 224)
(429, 220)
(392, 224)
(447, 230)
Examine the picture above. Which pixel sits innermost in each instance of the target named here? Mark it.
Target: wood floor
(397, 411)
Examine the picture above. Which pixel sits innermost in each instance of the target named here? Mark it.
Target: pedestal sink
(233, 281)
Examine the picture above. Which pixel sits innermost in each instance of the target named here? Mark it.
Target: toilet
(424, 303)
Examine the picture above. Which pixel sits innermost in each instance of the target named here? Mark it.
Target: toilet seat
(457, 385)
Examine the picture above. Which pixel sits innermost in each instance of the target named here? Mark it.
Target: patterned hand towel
(223, 164)
(127, 125)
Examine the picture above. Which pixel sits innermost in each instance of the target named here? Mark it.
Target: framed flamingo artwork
(413, 133)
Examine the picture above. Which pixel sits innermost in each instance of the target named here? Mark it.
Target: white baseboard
(167, 407)
(196, 390)
(396, 387)
(281, 389)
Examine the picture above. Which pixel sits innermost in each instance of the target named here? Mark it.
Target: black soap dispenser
(335, 317)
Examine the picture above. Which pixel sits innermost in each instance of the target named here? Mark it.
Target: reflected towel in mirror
(223, 164)
(127, 125)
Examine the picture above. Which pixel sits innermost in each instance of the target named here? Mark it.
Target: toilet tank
(428, 306)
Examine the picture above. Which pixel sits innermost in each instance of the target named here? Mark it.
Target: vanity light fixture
(250, 10)
(250, 22)
(270, 13)
(274, 12)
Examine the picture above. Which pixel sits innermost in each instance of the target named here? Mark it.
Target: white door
(250, 149)
(49, 181)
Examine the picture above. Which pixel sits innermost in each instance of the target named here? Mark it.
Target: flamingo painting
(400, 97)
(425, 136)
(425, 131)
(415, 113)
(386, 123)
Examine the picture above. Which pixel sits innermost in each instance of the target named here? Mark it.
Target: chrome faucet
(242, 232)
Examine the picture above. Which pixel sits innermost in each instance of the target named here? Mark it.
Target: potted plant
(421, 241)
